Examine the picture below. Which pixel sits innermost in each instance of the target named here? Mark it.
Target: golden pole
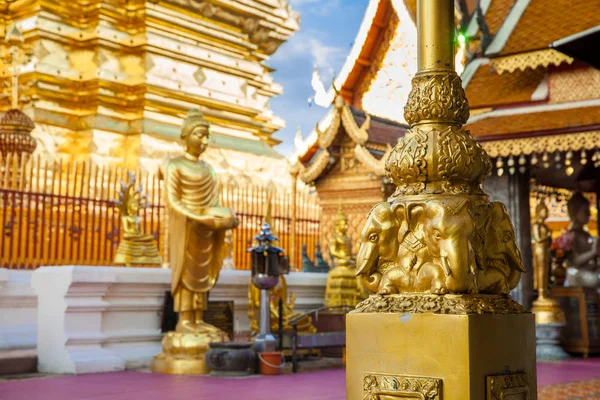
(435, 24)
(439, 257)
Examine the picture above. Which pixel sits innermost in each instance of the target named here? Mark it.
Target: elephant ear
(414, 215)
(399, 211)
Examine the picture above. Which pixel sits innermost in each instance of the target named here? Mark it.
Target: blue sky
(327, 31)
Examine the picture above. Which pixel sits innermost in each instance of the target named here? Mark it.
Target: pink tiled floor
(323, 385)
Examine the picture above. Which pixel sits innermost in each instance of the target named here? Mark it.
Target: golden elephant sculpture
(446, 245)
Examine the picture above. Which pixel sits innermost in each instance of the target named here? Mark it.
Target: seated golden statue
(135, 247)
(278, 292)
(583, 261)
(197, 225)
(343, 288)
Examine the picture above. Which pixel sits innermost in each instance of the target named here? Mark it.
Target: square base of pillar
(440, 357)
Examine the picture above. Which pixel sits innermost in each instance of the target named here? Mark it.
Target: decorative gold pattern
(562, 84)
(437, 96)
(448, 304)
(532, 59)
(342, 115)
(377, 386)
(260, 32)
(363, 155)
(15, 134)
(316, 168)
(438, 233)
(502, 387)
(459, 166)
(541, 144)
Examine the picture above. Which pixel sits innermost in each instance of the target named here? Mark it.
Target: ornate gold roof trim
(326, 138)
(308, 175)
(366, 158)
(547, 144)
(532, 59)
(359, 135)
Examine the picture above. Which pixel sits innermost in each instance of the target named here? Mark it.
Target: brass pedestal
(435, 356)
(184, 354)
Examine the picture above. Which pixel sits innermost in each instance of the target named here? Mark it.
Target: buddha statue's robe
(195, 250)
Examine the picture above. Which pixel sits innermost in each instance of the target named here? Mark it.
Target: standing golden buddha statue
(545, 308)
(197, 226)
(136, 247)
(342, 285)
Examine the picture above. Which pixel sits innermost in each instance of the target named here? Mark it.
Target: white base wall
(18, 312)
(99, 319)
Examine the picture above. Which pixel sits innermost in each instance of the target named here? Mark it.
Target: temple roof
(487, 88)
(372, 139)
(366, 44)
(511, 123)
(536, 24)
(526, 96)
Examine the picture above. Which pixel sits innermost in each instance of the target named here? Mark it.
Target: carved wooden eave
(342, 117)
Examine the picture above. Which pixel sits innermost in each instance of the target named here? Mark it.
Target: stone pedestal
(435, 356)
(98, 319)
(548, 342)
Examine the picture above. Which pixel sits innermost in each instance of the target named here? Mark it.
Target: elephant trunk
(366, 263)
(455, 258)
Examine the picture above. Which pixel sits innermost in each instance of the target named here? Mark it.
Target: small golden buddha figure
(583, 266)
(197, 224)
(545, 308)
(340, 245)
(343, 287)
(278, 292)
(135, 247)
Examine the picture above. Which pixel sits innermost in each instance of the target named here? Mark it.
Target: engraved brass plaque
(396, 387)
(508, 387)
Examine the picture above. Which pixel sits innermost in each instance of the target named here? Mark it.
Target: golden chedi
(197, 225)
(135, 247)
(439, 256)
(342, 286)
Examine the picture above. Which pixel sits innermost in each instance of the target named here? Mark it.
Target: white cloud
(327, 58)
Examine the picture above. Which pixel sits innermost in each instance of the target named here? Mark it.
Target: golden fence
(62, 213)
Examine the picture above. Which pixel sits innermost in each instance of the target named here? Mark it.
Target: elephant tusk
(445, 266)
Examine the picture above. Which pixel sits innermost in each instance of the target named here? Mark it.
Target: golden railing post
(439, 257)
(294, 172)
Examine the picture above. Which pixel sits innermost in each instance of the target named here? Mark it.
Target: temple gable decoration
(357, 139)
